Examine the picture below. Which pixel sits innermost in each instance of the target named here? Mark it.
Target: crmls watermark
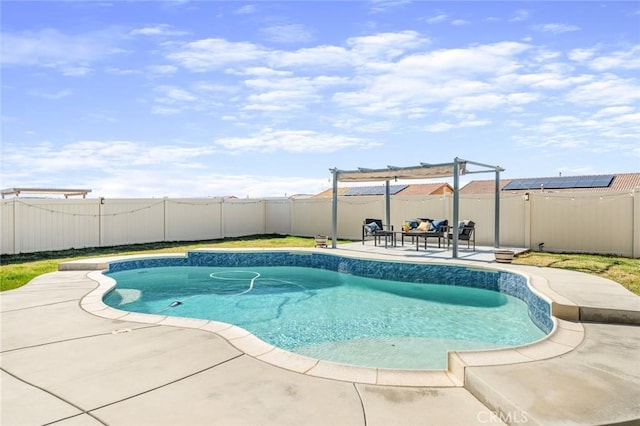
(509, 417)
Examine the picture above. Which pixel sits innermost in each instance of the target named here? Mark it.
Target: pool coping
(565, 336)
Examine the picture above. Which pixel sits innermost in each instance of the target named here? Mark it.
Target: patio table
(422, 234)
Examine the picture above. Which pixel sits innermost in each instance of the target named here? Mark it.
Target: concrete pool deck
(61, 364)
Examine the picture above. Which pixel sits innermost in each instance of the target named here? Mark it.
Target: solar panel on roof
(374, 190)
(565, 182)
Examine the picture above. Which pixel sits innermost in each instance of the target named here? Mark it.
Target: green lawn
(17, 270)
(623, 270)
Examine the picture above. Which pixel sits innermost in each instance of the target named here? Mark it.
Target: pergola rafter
(423, 171)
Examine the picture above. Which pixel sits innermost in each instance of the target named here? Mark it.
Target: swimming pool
(347, 310)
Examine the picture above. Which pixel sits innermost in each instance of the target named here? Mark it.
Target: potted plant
(504, 256)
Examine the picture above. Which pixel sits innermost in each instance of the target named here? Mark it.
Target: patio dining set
(417, 230)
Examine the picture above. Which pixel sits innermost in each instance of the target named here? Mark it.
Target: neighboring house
(587, 183)
(394, 189)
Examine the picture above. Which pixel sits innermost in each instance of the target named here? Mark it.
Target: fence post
(635, 225)
(528, 201)
(292, 215)
(100, 203)
(165, 223)
(15, 231)
(222, 233)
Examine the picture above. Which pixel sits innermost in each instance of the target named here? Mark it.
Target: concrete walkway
(63, 365)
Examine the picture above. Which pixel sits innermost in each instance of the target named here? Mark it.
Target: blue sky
(261, 99)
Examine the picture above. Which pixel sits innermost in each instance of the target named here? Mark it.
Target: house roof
(415, 189)
(620, 182)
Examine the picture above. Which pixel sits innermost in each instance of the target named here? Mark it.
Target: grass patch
(17, 270)
(622, 270)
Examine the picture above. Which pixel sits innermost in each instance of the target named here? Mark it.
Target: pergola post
(496, 214)
(334, 213)
(456, 203)
(387, 202)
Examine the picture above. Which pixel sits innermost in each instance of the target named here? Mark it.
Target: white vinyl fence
(581, 222)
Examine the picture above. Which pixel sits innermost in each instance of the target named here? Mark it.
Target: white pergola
(423, 171)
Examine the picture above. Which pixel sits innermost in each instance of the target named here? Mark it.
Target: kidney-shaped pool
(347, 310)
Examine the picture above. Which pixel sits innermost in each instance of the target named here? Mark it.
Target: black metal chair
(466, 232)
(377, 230)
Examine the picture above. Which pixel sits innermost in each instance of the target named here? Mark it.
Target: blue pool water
(333, 315)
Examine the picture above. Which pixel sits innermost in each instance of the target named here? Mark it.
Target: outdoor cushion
(424, 226)
(409, 224)
(436, 224)
(461, 226)
(372, 227)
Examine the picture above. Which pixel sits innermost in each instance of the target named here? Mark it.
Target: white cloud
(380, 6)
(300, 141)
(165, 110)
(174, 94)
(216, 53)
(441, 17)
(556, 28)
(620, 60)
(446, 126)
(498, 58)
(520, 15)
(263, 72)
(86, 156)
(157, 30)
(618, 110)
(281, 100)
(326, 57)
(610, 90)
(162, 69)
(119, 71)
(433, 77)
(489, 101)
(72, 54)
(611, 129)
(247, 9)
(581, 54)
(39, 93)
(386, 46)
(541, 81)
(289, 33)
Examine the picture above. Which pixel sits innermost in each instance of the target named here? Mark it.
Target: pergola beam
(66, 192)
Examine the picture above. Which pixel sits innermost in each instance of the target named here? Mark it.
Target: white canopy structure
(423, 171)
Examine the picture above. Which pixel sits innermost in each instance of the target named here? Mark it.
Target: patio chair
(376, 229)
(466, 232)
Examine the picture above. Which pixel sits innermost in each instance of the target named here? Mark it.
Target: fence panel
(243, 217)
(513, 221)
(352, 211)
(193, 219)
(278, 216)
(583, 222)
(311, 216)
(7, 228)
(42, 225)
(132, 221)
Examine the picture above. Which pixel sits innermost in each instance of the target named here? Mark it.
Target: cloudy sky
(260, 99)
